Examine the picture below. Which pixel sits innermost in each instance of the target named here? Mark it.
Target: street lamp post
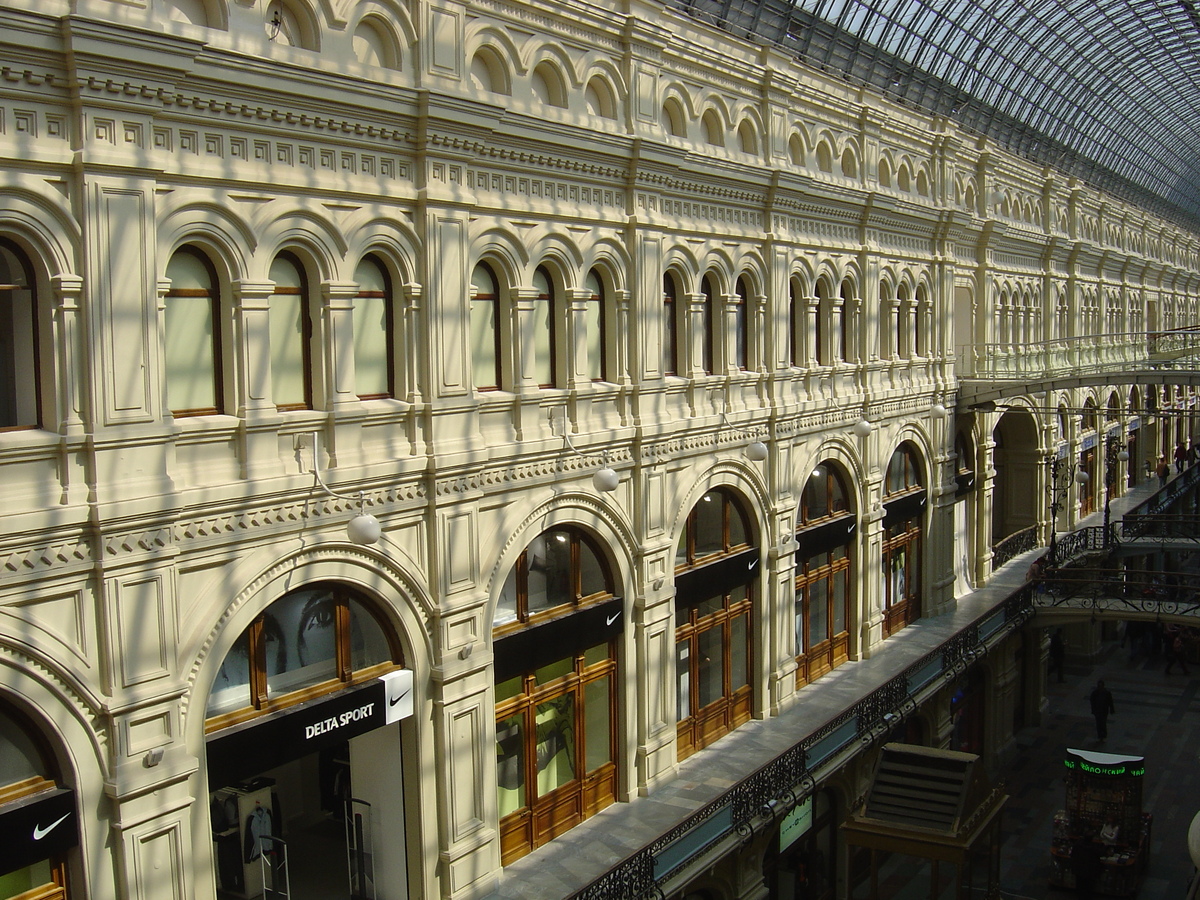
(1111, 457)
(1057, 488)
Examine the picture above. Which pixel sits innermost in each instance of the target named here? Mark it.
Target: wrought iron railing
(778, 786)
(1171, 527)
(1120, 592)
(1014, 545)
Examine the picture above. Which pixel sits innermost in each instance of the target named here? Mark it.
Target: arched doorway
(555, 634)
(904, 500)
(716, 569)
(1016, 461)
(825, 532)
(38, 816)
(303, 754)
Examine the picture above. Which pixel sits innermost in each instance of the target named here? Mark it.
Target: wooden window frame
(815, 659)
(261, 701)
(544, 818)
(577, 541)
(704, 725)
(670, 325)
(214, 295)
(306, 329)
(33, 378)
(600, 300)
(551, 339)
(388, 296)
(741, 310)
(903, 536)
(492, 299)
(729, 508)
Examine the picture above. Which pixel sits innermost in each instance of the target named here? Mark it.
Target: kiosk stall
(1103, 830)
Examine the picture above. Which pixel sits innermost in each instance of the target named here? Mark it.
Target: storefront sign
(795, 824)
(1088, 442)
(1134, 424)
(1094, 763)
(269, 741)
(36, 828)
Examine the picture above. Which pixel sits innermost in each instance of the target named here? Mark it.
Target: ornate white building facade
(267, 268)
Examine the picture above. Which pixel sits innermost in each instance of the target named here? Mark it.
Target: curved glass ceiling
(1105, 89)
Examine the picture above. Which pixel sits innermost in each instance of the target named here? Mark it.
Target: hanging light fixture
(863, 428)
(363, 528)
(605, 479)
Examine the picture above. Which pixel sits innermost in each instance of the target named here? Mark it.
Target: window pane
(801, 646)
(594, 321)
(556, 669)
(683, 692)
(592, 577)
(669, 327)
(816, 496)
(818, 618)
(681, 549)
(505, 690)
(549, 563)
(286, 326)
(597, 724)
(738, 535)
(368, 643)
(710, 532)
(231, 690)
(739, 652)
(709, 606)
(510, 765)
(484, 322)
(18, 388)
(555, 721)
(711, 664)
(371, 331)
(839, 602)
(300, 634)
(26, 879)
(190, 358)
(594, 655)
(540, 367)
(19, 759)
(506, 608)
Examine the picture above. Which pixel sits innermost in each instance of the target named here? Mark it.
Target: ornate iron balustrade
(1172, 527)
(1119, 593)
(1076, 543)
(1166, 497)
(1014, 545)
(776, 787)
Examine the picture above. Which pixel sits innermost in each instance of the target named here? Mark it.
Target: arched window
(904, 500)
(714, 130)
(599, 99)
(670, 326)
(374, 331)
(673, 118)
(290, 326)
(543, 320)
(28, 788)
(556, 629)
(373, 45)
(716, 569)
(311, 641)
(825, 528)
(20, 388)
(707, 325)
(796, 320)
(595, 326)
(823, 324)
(741, 325)
(192, 328)
(548, 86)
(484, 333)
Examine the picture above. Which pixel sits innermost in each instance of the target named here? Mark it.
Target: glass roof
(1105, 89)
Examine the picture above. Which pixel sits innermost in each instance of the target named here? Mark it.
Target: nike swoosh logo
(394, 700)
(39, 832)
(612, 618)
(753, 563)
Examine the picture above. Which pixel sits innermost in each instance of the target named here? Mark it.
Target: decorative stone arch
(841, 450)
(393, 26)
(391, 240)
(558, 252)
(714, 128)
(503, 252)
(678, 110)
(228, 239)
(301, 15)
(312, 237)
(733, 473)
(499, 55)
(215, 13)
(610, 257)
(797, 147)
(44, 228)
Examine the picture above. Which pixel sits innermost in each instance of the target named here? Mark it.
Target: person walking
(1180, 457)
(1102, 705)
(1163, 471)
